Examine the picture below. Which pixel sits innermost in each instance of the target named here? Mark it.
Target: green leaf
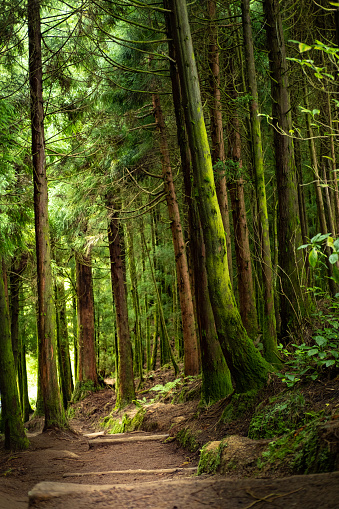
(303, 246)
(313, 351)
(336, 244)
(315, 112)
(333, 258)
(320, 340)
(329, 363)
(313, 257)
(322, 355)
(336, 274)
(304, 47)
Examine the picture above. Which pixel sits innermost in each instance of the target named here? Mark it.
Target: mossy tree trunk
(289, 231)
(65, 371)
(217, 133)
(247, 303)
(15, 437)
(138, 347)
(125, 377)
(87, 371)
(248, 368)
(269, 322)
(191, 358)
(54, 413)
(216, 377)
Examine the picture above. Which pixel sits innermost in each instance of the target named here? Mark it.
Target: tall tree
(15, 437)
(289, 231)
(54, 413)
(191, 359)
(269, 322)
(248, 368)
(126, 390)
(87, 371)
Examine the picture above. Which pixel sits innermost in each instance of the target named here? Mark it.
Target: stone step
(135, 471)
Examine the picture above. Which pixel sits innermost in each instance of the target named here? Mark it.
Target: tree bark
(87, 371)
(191, 358)
(269, 322)
(15, 437)
(126, 390)
(217, 133)
(248, 368)
(54, 414)
(247, 304)
(289, 232)
(65, 371)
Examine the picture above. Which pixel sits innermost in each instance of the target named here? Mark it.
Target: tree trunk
(138, 349)
(289, 232)
(248, 368)
(217, 134)
(65, 372)
(54, 414)
(191, 359)
(247, 305)
(15, 437)
(269, 322)
(87, 371)
(216, 377)
(17, 268)
(126, 391)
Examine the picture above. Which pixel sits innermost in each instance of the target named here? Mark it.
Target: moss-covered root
(187, 439)
(239, 405)
(210, 457)
(82, 390)
(126, 422)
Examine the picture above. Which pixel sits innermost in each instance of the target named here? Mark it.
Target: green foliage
(283, 414)
(308, 361)
(165, 389)
(301, 451)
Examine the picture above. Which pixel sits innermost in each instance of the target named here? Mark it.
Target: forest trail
(65, 470)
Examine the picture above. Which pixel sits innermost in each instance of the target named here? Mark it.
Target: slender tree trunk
(126, 390)
(160, 323)
(23, 384)
(74, 321)
(17, 268)
(247, 305)
(191, 359)
(87, 371)
(248, 368)
(65, 372)
(217, 134)
(318, 194)
(138, 350)
(269, 322)
(15, 437)
(54, 414)
(289, 232)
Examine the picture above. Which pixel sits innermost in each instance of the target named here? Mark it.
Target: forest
(169, 197)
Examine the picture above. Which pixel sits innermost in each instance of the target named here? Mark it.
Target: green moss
(210, 457)
(82, 390)
(301, 452)
(283, 414)
(239, 405)
(186, 438)
(125, 423)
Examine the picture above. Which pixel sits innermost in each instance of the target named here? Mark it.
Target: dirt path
(64, 471)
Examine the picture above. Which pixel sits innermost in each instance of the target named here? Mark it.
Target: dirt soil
(54, 455)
